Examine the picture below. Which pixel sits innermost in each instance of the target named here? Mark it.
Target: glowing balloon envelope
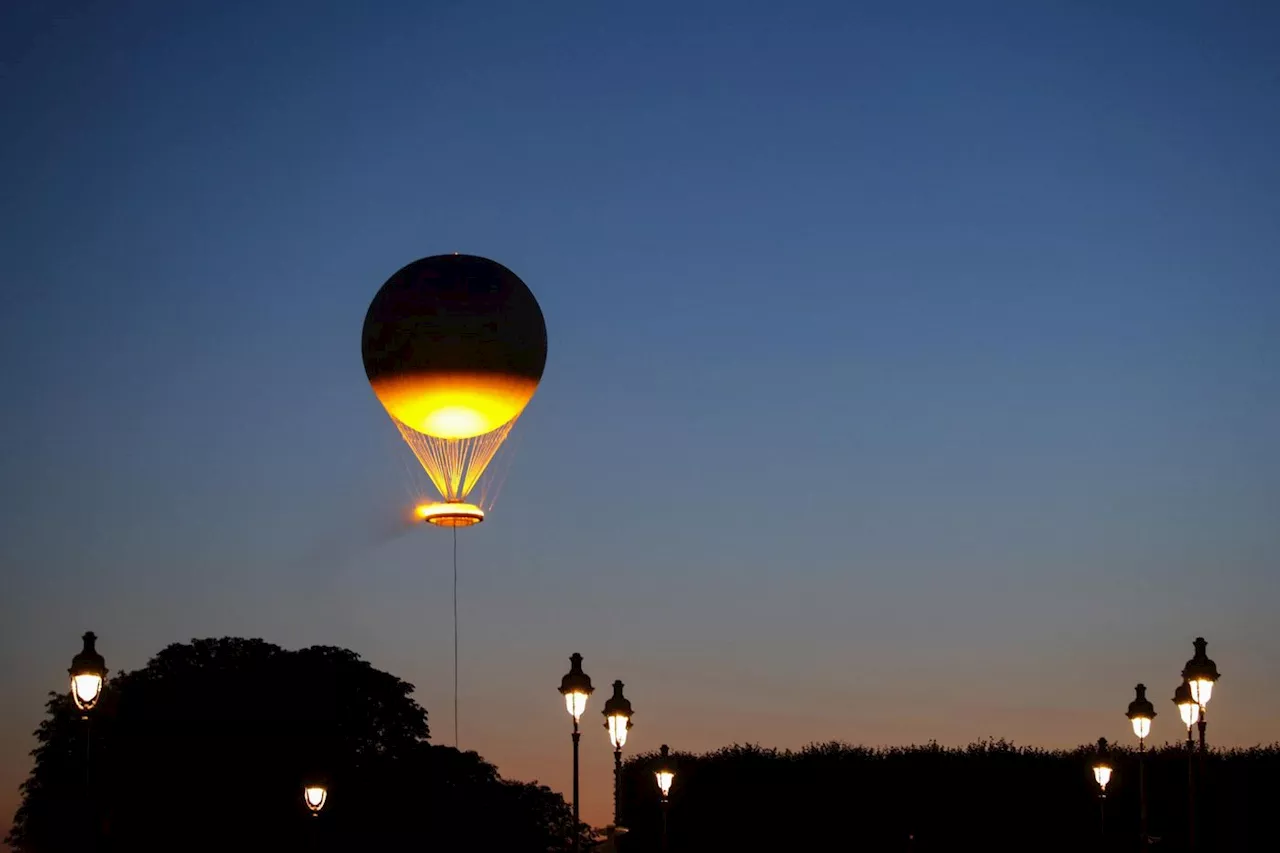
(454, 347)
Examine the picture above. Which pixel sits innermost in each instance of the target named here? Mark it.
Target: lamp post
(575, 687)
(315, 793)
(1201, 674)
(1189, 711)
(1102, 775)
(617, 719)
(665, 775)
(88, 671)
(1140, 714)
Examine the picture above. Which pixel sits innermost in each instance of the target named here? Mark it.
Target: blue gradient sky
(913, 374)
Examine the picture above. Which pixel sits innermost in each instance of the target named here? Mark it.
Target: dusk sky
(913, 368)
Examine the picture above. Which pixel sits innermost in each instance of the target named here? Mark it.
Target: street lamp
(1102, 775)
(617, 719)
(665, 775)
(88, 672)
(315, 794)
(315, 790)
(575, 687)
(1140, 714)
(1201, 674)
(1189, 711)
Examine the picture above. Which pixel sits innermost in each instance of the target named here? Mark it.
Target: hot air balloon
(454, 347)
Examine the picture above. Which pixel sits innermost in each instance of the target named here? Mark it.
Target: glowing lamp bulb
(665, 778)
(618, 725)
(1201, 690)
(1141, 726)
(575, 702)
(85, 690)
(314, 796)
(1102, 775)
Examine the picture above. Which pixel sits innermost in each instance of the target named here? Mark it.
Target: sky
(913, 370)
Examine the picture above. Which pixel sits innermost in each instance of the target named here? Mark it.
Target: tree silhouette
(990, 796)
(207, 748)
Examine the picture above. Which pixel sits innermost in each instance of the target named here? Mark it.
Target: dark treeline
(990, 796)
(208, 746)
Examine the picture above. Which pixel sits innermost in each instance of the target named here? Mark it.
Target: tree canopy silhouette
(208, 746)
(990, 795)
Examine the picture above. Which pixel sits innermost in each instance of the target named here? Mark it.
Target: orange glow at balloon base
(450, 514)
(454, 405)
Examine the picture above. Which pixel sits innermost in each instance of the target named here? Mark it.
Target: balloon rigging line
(455, 465)
(496, 477)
